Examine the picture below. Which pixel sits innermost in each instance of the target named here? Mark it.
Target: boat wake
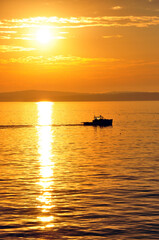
(33, 126)
(15, 126)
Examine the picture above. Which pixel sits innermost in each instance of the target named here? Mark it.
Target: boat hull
(101, 123)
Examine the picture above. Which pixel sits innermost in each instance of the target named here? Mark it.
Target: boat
(99, 121)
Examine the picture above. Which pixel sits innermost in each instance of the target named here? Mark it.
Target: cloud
(117, 8)
(10, 32)
(112, 36)
(8, 48)
(80, 22)
(5, 37)
(29, 37)
(58, 60)
(65, 62)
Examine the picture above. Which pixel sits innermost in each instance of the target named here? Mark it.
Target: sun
(43, 35)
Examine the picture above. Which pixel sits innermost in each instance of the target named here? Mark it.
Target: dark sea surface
(62, 180)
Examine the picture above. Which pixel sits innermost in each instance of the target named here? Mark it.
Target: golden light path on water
(45, 139)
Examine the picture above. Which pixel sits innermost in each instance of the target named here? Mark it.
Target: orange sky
(79, 45)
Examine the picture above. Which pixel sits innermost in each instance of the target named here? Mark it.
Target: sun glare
(43, 35)
(45, 140)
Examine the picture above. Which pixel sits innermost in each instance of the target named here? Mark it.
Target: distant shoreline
(54, 96)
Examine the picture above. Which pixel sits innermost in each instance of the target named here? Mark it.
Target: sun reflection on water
(45, 139)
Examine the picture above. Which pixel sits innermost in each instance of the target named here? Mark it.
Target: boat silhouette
(99, 121)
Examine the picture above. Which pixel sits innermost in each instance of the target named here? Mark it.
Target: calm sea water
(61, 180)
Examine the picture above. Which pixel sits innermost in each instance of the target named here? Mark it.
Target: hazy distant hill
(34, 96)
